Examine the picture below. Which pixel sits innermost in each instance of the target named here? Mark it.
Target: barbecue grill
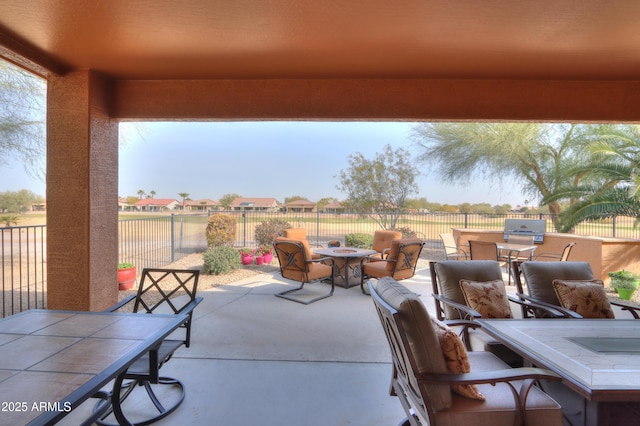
(525, 227)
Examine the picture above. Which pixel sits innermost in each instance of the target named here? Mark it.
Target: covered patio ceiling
(300, 39)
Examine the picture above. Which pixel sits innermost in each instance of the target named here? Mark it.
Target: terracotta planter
(126, 278)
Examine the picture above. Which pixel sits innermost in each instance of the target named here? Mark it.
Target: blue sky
(260, 159)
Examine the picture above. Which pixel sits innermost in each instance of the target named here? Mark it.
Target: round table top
(344, 252)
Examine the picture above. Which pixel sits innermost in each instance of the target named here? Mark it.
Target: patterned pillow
(586, 297)
(488, 298)
(456, 358)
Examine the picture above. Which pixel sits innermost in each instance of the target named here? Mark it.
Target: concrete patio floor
(256, 359)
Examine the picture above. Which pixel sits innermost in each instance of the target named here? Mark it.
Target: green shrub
(220, 260)
(269, 230)
(221, 230)
(359, 240)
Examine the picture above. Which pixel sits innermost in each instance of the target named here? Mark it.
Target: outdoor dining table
(51, 361)
(348, 262)
(598, 360)
(513, 252)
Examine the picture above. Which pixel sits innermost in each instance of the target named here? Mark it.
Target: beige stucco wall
(604, 254)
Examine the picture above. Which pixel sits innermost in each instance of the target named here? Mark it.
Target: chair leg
(285, 294)
(116, 409)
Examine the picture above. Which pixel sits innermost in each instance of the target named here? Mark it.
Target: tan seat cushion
(489, 298)
(456, 358)
(586, 297)
(497, 409)
(313, 271)
(295, 233)
(382, 239)
(421, 337)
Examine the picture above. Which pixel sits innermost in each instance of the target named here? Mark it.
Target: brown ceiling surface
(202, 39)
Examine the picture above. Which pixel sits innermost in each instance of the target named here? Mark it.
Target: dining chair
(483, 250)
(163, 291)
(569, 287)
(439, 383)
(400, 262)
(297, 264)
(451, 248)
(563, 256)
(473, 289)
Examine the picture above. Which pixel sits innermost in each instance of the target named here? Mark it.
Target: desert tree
(22, 119)
(227, 199)
(537, 158)
(379, 187)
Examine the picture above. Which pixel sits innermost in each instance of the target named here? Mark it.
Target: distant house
(254, 204)
(156, 204)
(301, 206)
(123, 205)
(202, 205)
(336, 207)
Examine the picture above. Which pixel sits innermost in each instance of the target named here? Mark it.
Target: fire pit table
(348, 262)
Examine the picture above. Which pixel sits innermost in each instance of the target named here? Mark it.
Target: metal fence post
(318, 227)
(173, 239)
(613, 226)
(244, 229)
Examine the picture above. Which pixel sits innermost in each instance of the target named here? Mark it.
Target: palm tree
(612, 184)
(184, 195)
(140, 194)
(152, 193)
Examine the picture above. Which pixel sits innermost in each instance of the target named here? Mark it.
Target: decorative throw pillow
(456, 358)
(488, 298)
(586, 297)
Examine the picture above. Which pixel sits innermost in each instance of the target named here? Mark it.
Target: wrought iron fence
(153, 242)
(323, 227)
(24, 275)
(159, 241)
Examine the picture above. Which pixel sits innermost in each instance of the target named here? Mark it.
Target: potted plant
(126, 275)
(267, 253)
(334, 243)
(246, 256)
(625, 283)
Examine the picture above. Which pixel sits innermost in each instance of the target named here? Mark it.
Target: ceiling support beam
(378, 99)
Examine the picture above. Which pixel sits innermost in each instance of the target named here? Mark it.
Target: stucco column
(82, 193)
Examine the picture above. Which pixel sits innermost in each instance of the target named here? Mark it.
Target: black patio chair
(162, 291)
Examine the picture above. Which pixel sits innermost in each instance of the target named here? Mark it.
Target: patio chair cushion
(456, 358)
(450, 272)
(421, 337)
(295, 233)
(382, 240)
(394, 253)
(497, 409)
(489, 298)
(539, 276)
(314, 270)
(586, 297)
